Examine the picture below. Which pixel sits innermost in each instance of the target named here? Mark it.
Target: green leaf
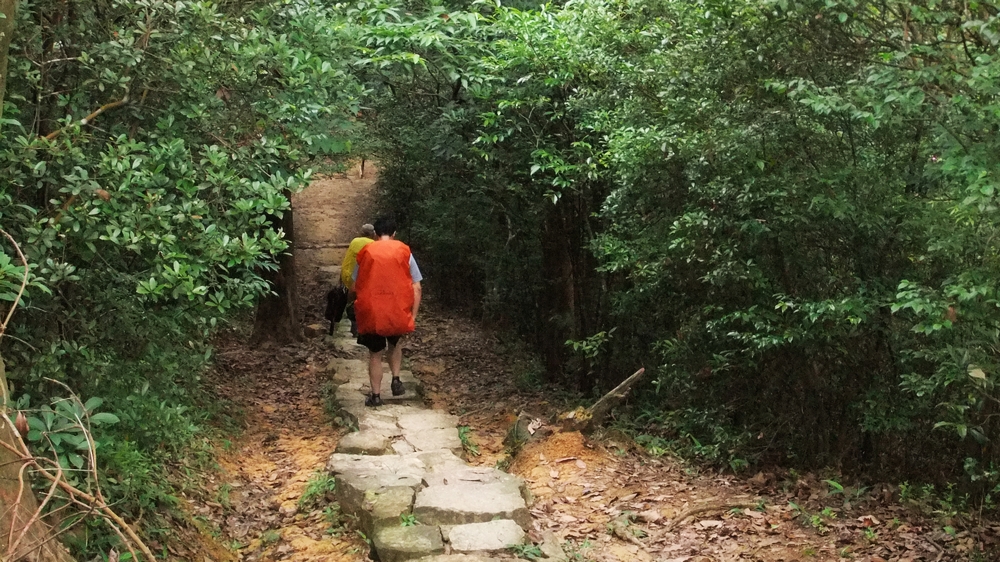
(104, 418)
(837, 488)
(92, 404)
(76, 460)
(976, 372)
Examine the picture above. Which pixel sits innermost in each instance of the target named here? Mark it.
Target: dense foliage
(147, 152)
(786, 207)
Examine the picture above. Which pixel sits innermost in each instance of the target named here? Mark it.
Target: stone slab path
(401, 476)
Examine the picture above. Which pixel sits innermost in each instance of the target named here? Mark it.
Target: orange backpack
(385, 289)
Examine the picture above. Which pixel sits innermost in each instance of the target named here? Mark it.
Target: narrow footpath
(401, 476)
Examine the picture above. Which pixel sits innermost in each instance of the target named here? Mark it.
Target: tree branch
(91, 117)
(24, 284)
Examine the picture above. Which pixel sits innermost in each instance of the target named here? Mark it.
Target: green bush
(150, 225)
(786, 209)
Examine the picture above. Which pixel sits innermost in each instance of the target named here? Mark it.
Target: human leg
(375, 371)
(395, 365)
(395, 356)
(376, 350)
(354, 320)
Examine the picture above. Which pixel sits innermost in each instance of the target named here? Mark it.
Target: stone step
(461, 502)
(476, 537)
(342, 369)
(365, 442)
(443, 475)
(434, 439)
(357, 370)
(346, 394)
(413, 392)
(357, 476)
(346, 347)
(399, 544)
(352, 406)
(381, 420)
(418, 420)
(385, 507)
(375, 442)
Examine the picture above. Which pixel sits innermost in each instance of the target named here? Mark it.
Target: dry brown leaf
(650, 516)
(869, 520)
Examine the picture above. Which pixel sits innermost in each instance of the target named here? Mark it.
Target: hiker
(387, 287)
(347, 268)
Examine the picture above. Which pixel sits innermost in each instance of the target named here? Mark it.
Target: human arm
(416, 276)
(417, 292)
(351, 295)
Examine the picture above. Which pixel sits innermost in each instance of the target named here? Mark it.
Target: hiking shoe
(373, 401)
(397, 387)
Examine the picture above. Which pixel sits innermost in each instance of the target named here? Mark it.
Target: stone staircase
(401, 476)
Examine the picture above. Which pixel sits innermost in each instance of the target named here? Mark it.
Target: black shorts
(376, 343)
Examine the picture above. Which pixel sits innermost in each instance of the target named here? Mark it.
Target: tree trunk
(18, 505)
(277, 317)
(559, 315)
(7, 10)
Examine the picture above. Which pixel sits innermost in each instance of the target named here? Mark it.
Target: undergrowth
(321, 484)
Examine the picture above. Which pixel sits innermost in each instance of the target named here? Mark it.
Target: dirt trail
(328, 215)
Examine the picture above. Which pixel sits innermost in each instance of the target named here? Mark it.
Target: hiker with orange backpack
(387, 288)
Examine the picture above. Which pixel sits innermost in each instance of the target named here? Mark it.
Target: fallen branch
(938, 547)
(621, 527)
(602, 407)
(589, 419)
(691, 512)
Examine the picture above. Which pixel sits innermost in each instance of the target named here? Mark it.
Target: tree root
(692, 511)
